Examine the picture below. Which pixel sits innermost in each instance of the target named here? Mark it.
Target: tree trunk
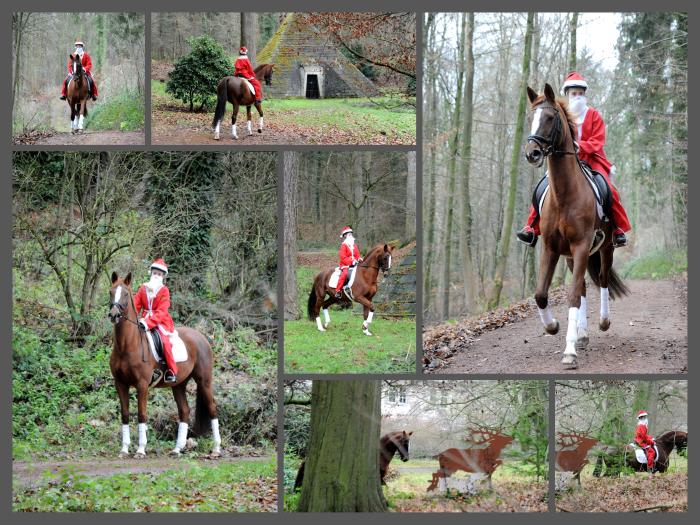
(291, 189)
(573, 25)
(249, 34)
(514, 163)
(342, 466)
(410, 227)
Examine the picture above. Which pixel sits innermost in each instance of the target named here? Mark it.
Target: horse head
(119, 297)
(384, 259)
(77, 65)
(401, 440)
(675, 438)
(268, 74)
(546, 135)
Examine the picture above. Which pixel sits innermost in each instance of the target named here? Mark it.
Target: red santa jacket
(244, 68)
(348, 256)
(642, 437)
(86, 61)
(154, 310)
(592, 141)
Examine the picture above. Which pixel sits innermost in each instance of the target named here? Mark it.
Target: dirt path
(648, 335)
(185, 135)
(89, 138)
(31, 474)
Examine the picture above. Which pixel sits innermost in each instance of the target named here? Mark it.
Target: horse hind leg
(234, 130)
(606, 260)
(249, 121)
(206, 410)
(183, 412)
(258, 106)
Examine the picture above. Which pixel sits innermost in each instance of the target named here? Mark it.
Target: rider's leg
(93, 84)
(169, 359)
(531, 230)
(64, 88)
(341, 282)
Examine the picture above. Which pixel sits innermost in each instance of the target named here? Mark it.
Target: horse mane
(671, 435)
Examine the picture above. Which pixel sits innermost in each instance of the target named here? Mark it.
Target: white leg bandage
(546, 316)
(142, 438)
(369, 317)
(260, 124)
(249, 127)
(217, 130)
(319, 325)
(583, 314)
(604, 303)
(181, 436)
(80, 122)
(234, 131)
(571, 331)
(326, 316)
(216, 435)
(126, 438)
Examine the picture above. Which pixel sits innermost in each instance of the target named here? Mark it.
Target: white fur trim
(181, 436)
(572, 83)
(159, 267)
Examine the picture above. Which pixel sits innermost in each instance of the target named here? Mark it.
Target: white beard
(644, 422)
(154, 284)
(349, 241)
(578, 107)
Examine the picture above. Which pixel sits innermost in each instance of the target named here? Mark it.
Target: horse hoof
(175, 452)
(604, 324)
(581, 339)
(552, 328)
(366, 332)
(124, 454)
(569, 361)
(140, 455)
(259, 131)
(216, 137)
(326, 325)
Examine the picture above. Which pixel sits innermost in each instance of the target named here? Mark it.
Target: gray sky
(598, 32)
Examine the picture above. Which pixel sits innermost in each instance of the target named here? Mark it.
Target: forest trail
(648, 335)
(87, 138)
(185, 134)
(27, 474)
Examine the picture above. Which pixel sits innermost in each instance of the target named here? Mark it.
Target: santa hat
(346, 230)
(573, 79)
(642, 413)
(159, 264)
(79, 43)
(243, 50)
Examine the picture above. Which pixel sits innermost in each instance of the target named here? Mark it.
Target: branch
(375, 62)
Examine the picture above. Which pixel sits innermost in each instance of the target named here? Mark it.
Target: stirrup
(156, 377)
(622, 242)
(170, 377)
(339, 295)
(521, 237)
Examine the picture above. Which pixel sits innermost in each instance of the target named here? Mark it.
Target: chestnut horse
(665, 444)
(235, 90)
(569, 223)
(389, 445)
(132, 365)
(479, 460)
(363, 288)
(77, 94)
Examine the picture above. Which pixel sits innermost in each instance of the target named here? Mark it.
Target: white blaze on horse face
(142, 439)
(117, 293)
(390, 262)
(216, 436)
(536, 121)
(604, 303)
(181, 436)
(126, 438)
(319, 325)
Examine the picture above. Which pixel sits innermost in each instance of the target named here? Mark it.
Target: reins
(125, 318)
(548, 144)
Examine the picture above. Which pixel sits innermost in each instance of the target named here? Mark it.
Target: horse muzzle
(534, 154)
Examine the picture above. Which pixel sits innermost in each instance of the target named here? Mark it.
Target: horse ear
(127, 279)
(410, 433)
(114, 277)
(531, 94)
(386, 248)
(549, 93)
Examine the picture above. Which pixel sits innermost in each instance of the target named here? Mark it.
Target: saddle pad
(250, 86)
(179, 348)
(542, 189)
(333, 281)
(641, 455)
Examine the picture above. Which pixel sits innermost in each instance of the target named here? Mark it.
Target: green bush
(124, 113)
(196, 75)
(657, 265)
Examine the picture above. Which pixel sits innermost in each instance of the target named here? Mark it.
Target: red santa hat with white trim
(243, 50)
(641, 414)
(159, 264)
(346, 230)
(573, 79)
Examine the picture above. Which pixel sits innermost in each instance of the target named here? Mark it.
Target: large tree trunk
(291, 189)
(410, 227)
(249, 34)
(342, 465)
(514, 163)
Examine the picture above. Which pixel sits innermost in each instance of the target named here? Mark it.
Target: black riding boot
(620, 240)
(170, 376)
(527, 236)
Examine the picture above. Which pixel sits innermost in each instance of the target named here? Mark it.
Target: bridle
(121, 317)
(380, 265)
(548, 144)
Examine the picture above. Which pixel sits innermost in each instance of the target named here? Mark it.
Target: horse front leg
(81, 111)
(582, 321)
(326, 315)
(234, 131)
(73, 120)
(606, 262)
(579, 254)
(183, 414)
(368, 313)
(142, 398)
(249, 121)
(258, 106)
(123, 393)
(548, 263)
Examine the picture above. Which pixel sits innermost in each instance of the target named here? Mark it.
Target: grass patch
(657, 265)
(245, 486)
(124, 112)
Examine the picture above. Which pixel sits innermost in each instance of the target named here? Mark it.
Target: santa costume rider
(644, 440)
(590, 140)
(153, 301)
(243, 68)
(349, 255)
(86, 61)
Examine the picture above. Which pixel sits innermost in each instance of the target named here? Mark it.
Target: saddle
(597, 181)
(641, 455)
(349, 280)
(248, 83)
(90, 82)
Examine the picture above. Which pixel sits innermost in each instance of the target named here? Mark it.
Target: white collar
(242, 57)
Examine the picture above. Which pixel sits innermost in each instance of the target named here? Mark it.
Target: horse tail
(202, 419)
(312, 302)
(220, 102)
(616, 285)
